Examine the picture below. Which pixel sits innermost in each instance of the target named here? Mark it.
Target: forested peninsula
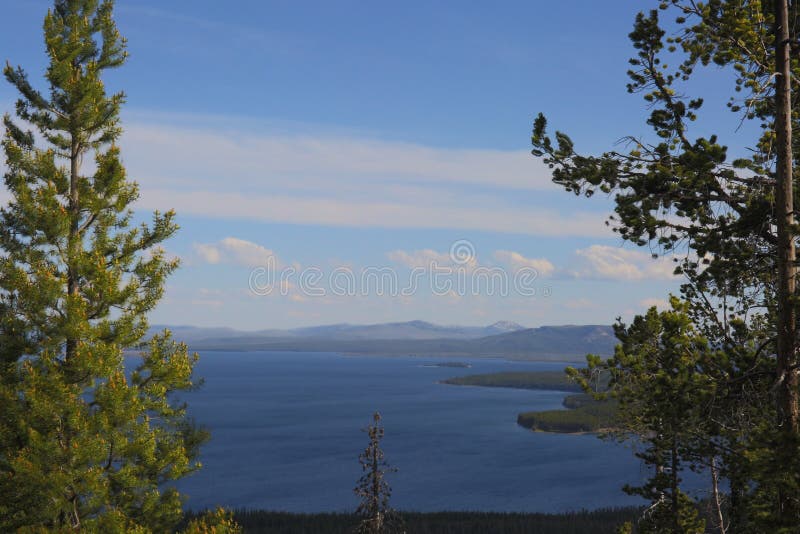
(582, 413)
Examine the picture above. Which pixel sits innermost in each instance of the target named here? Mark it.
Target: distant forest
(597, 522)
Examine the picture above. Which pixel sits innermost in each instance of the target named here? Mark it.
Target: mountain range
(499, 340)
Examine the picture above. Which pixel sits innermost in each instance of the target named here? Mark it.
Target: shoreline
(581, 415)
(464, 356)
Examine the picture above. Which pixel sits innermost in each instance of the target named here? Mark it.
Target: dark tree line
(594, 522)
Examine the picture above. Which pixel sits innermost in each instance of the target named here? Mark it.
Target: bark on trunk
(787, 393)
(73, 243)
(787, 374)
(716, 499)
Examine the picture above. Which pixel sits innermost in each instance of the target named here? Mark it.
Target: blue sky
(354, 135)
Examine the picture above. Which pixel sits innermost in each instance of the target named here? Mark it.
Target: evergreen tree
(83, 444)
(729, 222)
(219, 521)
(373, 489)
(657, 375)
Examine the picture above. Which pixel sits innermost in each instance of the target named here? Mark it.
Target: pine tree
(373, 489)
(218, 521)
(728, 221)
(658, 377)
(84, 445)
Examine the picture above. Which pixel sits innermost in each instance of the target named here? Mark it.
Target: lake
(286, 434)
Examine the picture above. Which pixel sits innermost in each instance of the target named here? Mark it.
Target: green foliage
(586, 416)
(555, 380)
(578, 400)
(582, 522)
(217, 522)
(83, 445)
(584, 413)
(719, 218)
(657, 375)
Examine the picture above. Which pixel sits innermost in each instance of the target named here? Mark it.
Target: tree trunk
(73, 243)
(787, 374)
(716, 499)
(376, 485)
(787, 382)
(674, 486)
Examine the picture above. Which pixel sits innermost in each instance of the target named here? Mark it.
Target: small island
(461, 365)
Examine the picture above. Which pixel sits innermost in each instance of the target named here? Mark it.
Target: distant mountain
(344, 331)
(502, 327)
(545, 341)
(419, 338)
(406, 330)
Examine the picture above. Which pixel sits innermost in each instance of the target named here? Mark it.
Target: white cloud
(236, 251)
(272, 159)
(462, 256)
(374, 213)
(208, 253)
(661, 304)
(213, 168)
(516, 260)
(424, 259)
(614, 263)
(337, 179)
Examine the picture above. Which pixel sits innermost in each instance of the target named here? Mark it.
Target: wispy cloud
(338, 179)
(615, 263)
(516, 260)
(381, 214)
(208, 155)
(341, 180)
(420, 259)
(661, 304)
(236, 251)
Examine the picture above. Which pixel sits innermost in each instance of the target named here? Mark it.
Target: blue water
(286, 434)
